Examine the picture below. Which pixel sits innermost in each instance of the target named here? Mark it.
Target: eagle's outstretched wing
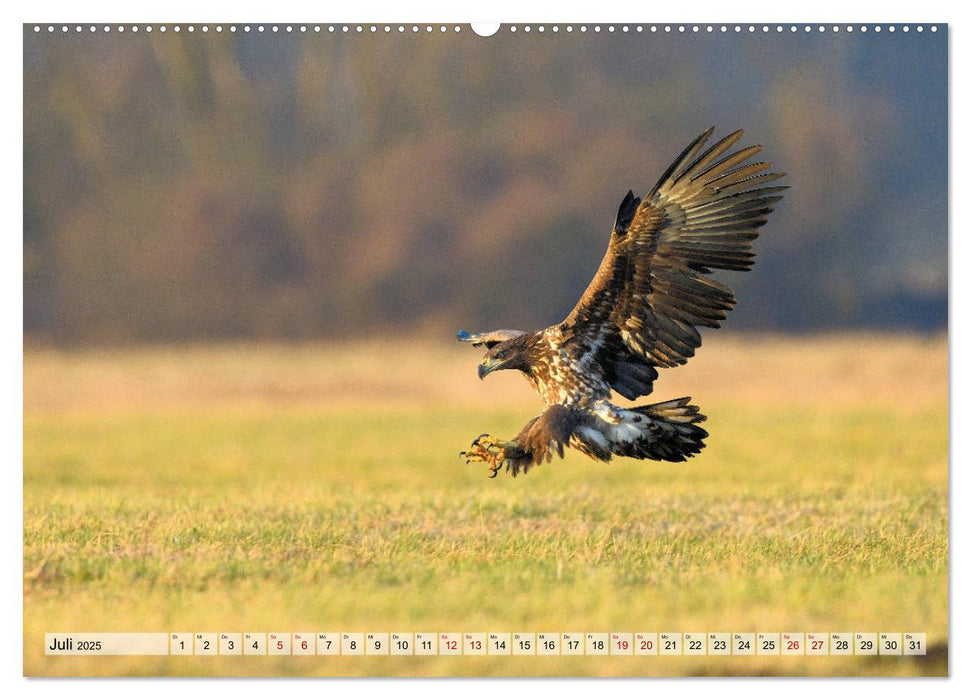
(651, 291)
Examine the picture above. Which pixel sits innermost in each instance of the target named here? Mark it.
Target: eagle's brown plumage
(642, 311)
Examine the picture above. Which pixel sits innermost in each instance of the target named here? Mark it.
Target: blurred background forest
(224, 186)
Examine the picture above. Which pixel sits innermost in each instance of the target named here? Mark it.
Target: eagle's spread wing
(651, 291)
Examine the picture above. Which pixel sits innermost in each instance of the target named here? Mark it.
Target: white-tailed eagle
(641, 312)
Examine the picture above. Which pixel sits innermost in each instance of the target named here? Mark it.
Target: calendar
(525, 348)
(484, 644)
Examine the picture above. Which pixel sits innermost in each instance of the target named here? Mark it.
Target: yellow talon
(492, 452)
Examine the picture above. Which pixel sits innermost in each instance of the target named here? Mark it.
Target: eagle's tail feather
(674, 431)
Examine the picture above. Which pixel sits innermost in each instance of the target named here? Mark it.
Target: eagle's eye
(500, 356)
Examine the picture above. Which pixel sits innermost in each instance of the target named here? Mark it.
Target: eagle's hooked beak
(487, 365)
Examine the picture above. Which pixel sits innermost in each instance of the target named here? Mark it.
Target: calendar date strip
(485, 644)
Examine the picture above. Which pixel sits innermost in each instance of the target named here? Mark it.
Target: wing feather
(650, 290)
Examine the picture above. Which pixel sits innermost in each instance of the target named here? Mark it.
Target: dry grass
(902, 369)
(266, 488)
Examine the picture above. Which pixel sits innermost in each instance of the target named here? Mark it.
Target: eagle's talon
(492, 452)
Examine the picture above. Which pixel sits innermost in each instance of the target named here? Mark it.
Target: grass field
(318, 488)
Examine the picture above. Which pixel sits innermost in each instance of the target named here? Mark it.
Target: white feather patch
(593, 436)
(625, 432)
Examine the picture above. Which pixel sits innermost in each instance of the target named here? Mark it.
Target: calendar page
(519, 349)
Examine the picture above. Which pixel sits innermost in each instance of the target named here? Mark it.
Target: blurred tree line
(189, 186)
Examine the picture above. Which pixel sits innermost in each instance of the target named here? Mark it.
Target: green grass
(294, 517)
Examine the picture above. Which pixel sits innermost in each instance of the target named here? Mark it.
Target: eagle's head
(509, 354)
(507, 349)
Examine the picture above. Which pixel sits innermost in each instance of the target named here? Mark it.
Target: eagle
(640, 313)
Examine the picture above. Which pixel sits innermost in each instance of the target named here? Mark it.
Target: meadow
(318, 487)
